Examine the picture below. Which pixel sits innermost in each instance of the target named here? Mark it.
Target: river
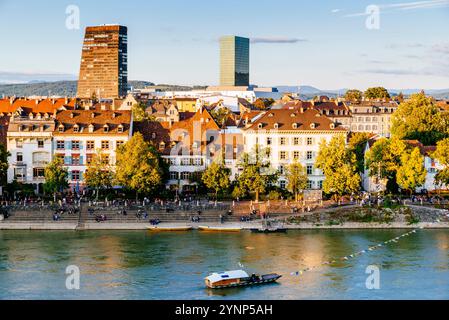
(144, 265)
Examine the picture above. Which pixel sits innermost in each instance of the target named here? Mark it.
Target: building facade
(292, 135)
(80, 135)
(104, 62)
(234, 61)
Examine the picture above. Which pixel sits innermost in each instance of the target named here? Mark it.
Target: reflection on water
(142, 265)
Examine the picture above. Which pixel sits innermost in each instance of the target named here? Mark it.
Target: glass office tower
(234, 61)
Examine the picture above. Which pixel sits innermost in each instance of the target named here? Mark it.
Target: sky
(325, 44)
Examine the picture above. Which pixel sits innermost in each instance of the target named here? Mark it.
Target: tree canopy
(339, 166)
(357, 144)
(442, 155)
(411, 172)
(296, 178)
(216, 177)
(418, 118)
(353, 95)
(139, 166)
(4, 154)
(375, 93)
(56, 176)
(99, 174)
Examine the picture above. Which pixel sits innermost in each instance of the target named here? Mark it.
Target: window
(309, 155)
(309, 141)
(75, 145)
(60, 145)
(173, 175)
(89, 158)
(76, 128)
(120, 128)
(75, 175)
(320, 184)
(269, 140)
(19, 143)
(282, 184)
(105, 144)
(185, 175)
(119, 143)
(105, 159)
(295, 155)
(75, 159)
(40, 143)
(309, 169)
(282, 155)
(105, 128)
(282, 142)
(38, 172)
(19, 157)
(61, 128)
(296, 141)
(90, 145)
(309, 184)
(19, 173)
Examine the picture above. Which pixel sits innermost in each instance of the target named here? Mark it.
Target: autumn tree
(411, 172)
(139, 166)
(296, 178)
(4, 154)
(357, 144)
(441, 154)
(376, 93)
(138, 110)
(56, 176)
(419, 119)
(353, 95)
(383, 160)
(216, 177)
(256, 174)
(339, 166)
(99, 174)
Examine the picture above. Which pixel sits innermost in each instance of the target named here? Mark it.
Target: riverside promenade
(214, 216)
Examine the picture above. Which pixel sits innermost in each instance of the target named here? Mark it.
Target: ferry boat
(238, 278)
(218, 229)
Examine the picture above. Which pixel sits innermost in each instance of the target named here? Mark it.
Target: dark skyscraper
(104, 62)
(234, 61)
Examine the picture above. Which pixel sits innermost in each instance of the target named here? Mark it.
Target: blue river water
(144, 265)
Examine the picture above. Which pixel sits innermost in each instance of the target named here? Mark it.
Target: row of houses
(36, 130)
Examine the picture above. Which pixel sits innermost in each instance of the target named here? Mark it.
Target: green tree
(216, 177)
(139, 166)
(339, 166)
(296, 178)
(138, 110)
(411, 173)
(99, 174)
(220, 115)
(257, 173)
(377, 93)
(357, 144)
(353, 95)
(383, 160)
(56, 176)
(4, 154)
(441, 154)
(419, 119)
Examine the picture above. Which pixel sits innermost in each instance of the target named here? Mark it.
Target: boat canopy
(234, 274)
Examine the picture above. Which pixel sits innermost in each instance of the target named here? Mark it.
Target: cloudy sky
(327, 44)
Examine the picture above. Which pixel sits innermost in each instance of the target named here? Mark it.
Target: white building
(292, 135)
(29, 141)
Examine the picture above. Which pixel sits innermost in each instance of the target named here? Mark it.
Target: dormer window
(293, 115)
(105, 128)
(91, 127)
(294, 125)
(113, 115)
(76, 128)
(71, 115)
(31, 115)
(120, 128)
(276, 125)
(332, 125)
(260, 125)
(61, 128)
(312, 125)
(270, 115)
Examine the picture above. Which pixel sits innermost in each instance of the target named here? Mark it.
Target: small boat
(269, 230)
(181, 228)
(269, 227)
(238, 278)
(218, 229)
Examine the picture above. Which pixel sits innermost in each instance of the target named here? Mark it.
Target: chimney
(92, 115)
(71, 115)
(36, 101)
